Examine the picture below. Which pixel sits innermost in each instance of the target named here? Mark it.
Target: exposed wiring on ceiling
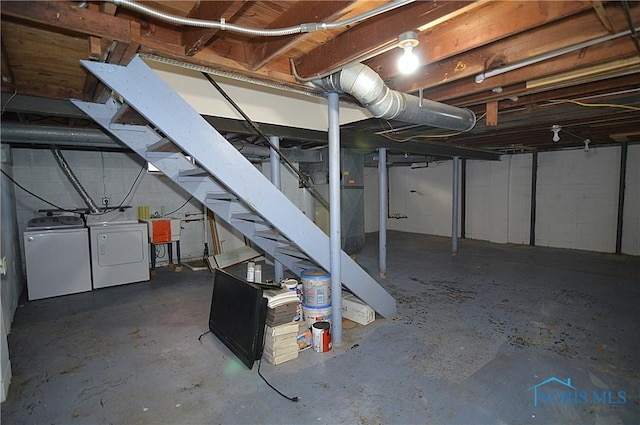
(423, 136)
(316, 77)
(222, 25)
(15, 92)
(597, 105)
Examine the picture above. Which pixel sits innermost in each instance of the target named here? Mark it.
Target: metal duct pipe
(369, 89)
(89, 137)
(62, 135)
(74, 181)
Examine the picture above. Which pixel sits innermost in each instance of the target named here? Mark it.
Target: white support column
(335, 234)
(274, 159)
(454, 207)
(383, 196)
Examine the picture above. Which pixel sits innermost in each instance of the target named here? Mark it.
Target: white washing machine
(119, 249)
(57, 257)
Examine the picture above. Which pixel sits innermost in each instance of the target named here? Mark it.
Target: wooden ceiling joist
(68, 16)
(195, 38)
(538, 41)
(467, 32)
(259, 53)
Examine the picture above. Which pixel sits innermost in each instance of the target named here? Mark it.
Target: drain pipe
(74, 181)
(369, 89)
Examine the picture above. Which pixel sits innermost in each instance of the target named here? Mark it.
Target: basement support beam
(621, 189)
(335, 233)
(534, 185)
(274, 162)
(463, 199)
(454, 205)
(383, 185)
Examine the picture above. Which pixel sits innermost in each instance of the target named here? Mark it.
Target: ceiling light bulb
(408, 62)
(556, 129)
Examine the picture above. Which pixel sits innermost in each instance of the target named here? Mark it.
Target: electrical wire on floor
(292, 399)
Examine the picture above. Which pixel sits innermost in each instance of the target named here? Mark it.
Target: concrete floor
(474, 334)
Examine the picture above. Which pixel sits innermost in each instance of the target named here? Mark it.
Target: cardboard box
(355, 309)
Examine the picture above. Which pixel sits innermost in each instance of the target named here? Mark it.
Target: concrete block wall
(499, 199)
(577, 199)
(421, 198)
(110, 174)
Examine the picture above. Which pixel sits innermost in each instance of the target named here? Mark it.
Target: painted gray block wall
(12, 282)
(109, 174)
(577, 198)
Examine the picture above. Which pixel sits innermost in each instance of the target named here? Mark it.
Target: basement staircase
(221, 178)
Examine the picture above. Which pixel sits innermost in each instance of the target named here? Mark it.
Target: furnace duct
(74, 181)
(367, 87)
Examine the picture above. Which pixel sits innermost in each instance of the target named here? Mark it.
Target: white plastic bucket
(316, 314)
(316, 286)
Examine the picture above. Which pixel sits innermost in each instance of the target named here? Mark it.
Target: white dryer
(119, 249)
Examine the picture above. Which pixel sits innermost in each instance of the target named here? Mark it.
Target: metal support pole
(335, 234)
(534, 185)
(621, 189)
(463, 198)
(454, 206)
(383, 184)
(274, 160)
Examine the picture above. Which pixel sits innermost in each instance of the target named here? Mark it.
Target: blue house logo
(556, 391)
(537, 390)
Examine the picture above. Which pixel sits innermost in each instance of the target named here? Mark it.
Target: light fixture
(586, 144)
(556, 129)
(408, 62)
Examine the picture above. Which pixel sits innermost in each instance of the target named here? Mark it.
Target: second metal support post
(383, 183)
(454, 201)
(274, 160)
(335, 233)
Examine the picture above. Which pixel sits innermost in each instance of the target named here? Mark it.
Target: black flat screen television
(237, 317)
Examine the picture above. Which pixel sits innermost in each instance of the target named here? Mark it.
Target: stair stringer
(144, 91)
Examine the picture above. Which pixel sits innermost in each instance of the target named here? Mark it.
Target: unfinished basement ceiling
(570, 63)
